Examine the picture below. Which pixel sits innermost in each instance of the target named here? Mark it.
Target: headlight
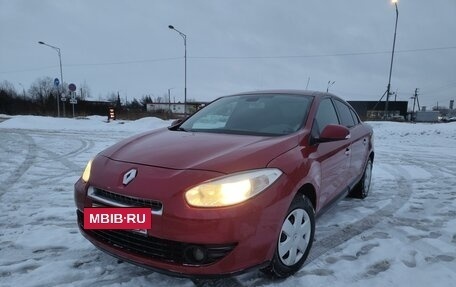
(86, 173)
(231, 189)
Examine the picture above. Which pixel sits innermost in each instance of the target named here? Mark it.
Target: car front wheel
(295, 238)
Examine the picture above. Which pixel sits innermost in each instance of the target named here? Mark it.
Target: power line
(324, 55)
(28, 70)
(126, 62)
(97, 64)
(236, 58)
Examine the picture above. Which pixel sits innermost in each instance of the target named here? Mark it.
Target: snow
(403, 234)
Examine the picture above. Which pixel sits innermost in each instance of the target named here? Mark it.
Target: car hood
(224, 153)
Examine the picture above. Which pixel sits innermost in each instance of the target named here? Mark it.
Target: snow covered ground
(403, 234)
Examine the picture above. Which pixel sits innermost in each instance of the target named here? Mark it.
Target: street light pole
(169, 100)
(185, 66)
(388, 93)
(61, 74)
(23, 91)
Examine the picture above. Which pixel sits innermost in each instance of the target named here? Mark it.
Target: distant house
(427, 116)
(175, 108)
(375, 110)
(92, 107)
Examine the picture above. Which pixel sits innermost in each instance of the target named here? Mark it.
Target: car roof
(287, 91)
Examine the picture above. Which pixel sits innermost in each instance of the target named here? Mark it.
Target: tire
(362, 188)
(294, 240)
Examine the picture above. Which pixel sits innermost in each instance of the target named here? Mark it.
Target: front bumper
(234, 238)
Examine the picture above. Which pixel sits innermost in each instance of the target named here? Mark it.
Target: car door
(360, 151)
(358, 138)
(333, 157)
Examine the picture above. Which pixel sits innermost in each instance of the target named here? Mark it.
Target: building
(175, 108)
(426, 116)
(92, 107)
(375, 110)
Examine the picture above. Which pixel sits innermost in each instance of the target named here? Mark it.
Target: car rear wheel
(295, 239)
(361, 190)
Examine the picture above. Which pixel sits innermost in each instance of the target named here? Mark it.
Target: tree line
(41, 99)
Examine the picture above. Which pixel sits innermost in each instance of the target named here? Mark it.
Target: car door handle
(347, 151)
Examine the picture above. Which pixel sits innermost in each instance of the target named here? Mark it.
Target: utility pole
(185, 66)
(388, 93)
(169, 100)
(415, 100)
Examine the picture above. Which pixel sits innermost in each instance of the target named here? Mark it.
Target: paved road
(40, 167)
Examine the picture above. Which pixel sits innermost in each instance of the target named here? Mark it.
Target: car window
(253, 114)
(215, 118)
(345, 115)
(326, 115)
(355, 116)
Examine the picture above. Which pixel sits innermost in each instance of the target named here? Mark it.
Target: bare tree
(111, 97)
(135, 105)
(84, 91)
(8, 88)
(41, 89)
(146, 100)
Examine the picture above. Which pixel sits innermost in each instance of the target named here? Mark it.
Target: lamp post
(329, 85)
(391, 64)
(61, 74)
(169, 100)
(23, 91)
(185, 66)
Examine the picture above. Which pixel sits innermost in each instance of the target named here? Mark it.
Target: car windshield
(252, 114)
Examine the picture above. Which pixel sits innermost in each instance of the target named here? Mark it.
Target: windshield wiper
(177, 128)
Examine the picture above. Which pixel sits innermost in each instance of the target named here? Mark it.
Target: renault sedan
(235, 186)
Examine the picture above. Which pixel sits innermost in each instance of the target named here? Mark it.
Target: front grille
(107, 198)
(156, 248)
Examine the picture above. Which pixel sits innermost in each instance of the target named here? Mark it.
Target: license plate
(126, 218)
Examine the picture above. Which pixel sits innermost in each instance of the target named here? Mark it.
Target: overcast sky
(233, 46)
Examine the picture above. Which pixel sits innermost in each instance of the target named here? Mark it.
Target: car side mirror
(176, 122)
(333, 133)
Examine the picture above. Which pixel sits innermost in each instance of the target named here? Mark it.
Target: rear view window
(355, 116)
(326, 115)
(345, 115)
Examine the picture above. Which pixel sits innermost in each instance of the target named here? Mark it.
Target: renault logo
(129, 176)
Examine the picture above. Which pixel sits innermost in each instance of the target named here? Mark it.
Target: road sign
(73, 101)
(63, 99)
(56, 82)
(72, 87)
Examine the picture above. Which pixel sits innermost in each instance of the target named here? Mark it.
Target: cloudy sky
(233, 46)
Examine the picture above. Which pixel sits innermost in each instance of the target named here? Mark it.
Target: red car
(236, 186)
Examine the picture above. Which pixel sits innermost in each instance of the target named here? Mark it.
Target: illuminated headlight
(232, 189)
(86, 173)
